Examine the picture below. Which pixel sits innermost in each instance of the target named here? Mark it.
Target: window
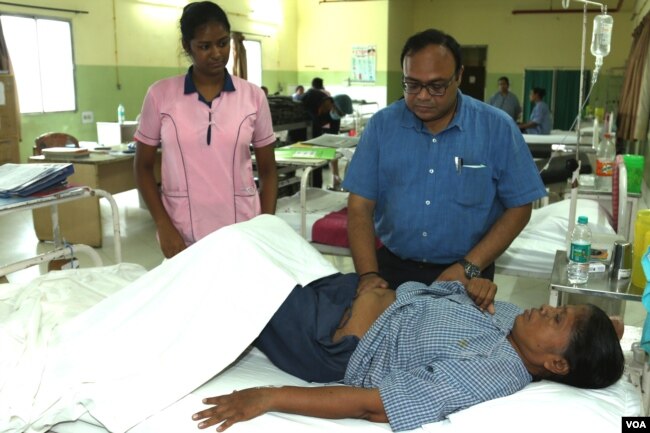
(41, 55)
(253, 61)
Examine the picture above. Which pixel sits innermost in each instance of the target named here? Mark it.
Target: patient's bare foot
(367, 307)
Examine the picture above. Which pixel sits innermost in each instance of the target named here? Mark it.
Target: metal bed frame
(61, 250)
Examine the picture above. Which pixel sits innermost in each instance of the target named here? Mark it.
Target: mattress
(540, 407)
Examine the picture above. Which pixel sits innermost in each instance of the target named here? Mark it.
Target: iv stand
(576, 173)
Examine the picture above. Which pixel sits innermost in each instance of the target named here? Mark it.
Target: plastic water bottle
(595, 138)
(601, 38)
(578, 267)
(120, 114)
(605, 156)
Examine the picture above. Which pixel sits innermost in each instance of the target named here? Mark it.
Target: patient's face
(546, 329)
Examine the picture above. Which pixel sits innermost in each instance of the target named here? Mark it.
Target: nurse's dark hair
(594, 353)
(432, 37)
(199, 13)
(539, 91)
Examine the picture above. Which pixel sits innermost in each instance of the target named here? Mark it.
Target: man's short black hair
(504, 79)
(432, 37)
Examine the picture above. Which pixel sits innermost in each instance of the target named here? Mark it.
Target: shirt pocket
(473, 184)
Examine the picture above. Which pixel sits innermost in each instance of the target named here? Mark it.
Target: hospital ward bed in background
(73, 363)
(320, 217)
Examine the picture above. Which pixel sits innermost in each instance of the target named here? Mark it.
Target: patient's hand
(482, 292)
(235, 407)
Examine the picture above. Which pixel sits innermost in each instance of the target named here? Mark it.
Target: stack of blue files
(22, 180)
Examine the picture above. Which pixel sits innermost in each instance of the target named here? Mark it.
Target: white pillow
(546, 407)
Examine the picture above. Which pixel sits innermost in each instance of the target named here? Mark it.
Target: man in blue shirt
(444, 181)
(420, 353)
(505, 100)
(541, 120)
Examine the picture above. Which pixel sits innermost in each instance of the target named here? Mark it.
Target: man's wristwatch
(471, 270)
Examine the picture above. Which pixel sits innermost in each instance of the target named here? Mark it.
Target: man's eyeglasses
(435, 89)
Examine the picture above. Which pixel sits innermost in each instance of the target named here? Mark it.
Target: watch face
(471, 271)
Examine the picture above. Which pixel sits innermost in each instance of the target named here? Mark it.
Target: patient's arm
(332, 402)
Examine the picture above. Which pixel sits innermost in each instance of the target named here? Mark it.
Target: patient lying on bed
(415, 356)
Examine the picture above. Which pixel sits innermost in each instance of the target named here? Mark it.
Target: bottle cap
(583, 220)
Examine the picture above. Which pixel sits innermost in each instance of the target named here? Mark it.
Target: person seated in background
(505, 100)
(414, 356)
(297, 95)
(326, 113)
(318, 84)
(540, 121)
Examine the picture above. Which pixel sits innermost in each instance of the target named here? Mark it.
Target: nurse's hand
(171, 241)
(482, 292)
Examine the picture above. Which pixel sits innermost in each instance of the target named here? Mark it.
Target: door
(473, 82)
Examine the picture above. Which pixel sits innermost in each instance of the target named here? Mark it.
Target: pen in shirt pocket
(460, 164)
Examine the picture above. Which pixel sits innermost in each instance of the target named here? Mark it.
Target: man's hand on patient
(454, 272)
(482, 292)
(235, 407)
(371, 281)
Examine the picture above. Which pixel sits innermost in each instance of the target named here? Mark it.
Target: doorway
(473, 82)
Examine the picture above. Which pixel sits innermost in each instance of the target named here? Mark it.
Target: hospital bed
(138, 351)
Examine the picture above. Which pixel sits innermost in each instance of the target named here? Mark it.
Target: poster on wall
(364, 63)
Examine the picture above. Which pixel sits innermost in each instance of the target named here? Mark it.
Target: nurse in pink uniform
(205, 122)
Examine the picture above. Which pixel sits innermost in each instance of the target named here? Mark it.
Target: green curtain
(567, 92)
(562, 93)
(537, 78)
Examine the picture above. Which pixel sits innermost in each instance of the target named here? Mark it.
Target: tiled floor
(139, 245)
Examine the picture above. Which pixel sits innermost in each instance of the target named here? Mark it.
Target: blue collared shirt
(436, 196)
(541, 115)
(508, 103)
(433, 352)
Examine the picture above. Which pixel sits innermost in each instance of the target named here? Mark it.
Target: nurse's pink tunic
(206, 186)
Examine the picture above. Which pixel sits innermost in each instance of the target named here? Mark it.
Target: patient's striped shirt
(433, 352)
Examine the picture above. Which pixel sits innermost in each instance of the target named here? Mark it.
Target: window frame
(73, 67)
(230, 60)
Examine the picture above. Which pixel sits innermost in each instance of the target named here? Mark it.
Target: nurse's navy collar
(190, 87)
(410, 120)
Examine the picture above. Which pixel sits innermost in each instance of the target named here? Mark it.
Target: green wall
(302, 39)
(98, 92)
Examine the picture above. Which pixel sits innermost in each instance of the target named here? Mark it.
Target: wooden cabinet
(9, 120)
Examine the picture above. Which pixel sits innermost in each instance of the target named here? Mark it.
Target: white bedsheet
(165, 334)
(539, 408)
(320, 202)
(532, 253)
